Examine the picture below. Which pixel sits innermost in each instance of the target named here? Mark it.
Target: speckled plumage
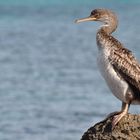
(119, 67)
(117, 64)
(121, 58)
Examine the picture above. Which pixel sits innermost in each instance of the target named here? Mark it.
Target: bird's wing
(126, 65)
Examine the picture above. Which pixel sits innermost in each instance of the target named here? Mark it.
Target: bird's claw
(117, 118)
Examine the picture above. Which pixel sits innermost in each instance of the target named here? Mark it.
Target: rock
(128, 128)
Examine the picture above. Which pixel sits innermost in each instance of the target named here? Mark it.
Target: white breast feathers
(116, 84)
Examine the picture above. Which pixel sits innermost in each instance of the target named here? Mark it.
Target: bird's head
(103, 15)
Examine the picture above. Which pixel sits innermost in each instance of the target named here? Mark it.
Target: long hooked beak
(85, 19)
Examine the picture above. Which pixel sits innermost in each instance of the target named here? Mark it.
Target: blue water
(50, 87)
(65, 2)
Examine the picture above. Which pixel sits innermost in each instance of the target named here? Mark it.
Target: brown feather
(126, 64)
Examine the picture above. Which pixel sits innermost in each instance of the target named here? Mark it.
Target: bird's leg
(118, 115)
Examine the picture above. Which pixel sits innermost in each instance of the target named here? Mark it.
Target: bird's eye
(95, 13)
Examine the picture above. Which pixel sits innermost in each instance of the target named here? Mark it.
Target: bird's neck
(110, 26)
(104, 38)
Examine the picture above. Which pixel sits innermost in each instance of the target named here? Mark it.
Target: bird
(117, 64)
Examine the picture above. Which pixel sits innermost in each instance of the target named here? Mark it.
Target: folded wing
(126, 65)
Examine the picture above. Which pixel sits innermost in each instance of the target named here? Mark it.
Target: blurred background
(50, 87)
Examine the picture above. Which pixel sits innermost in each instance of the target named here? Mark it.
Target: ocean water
(50, 86)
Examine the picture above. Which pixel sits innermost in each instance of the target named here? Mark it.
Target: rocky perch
(128, 128)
